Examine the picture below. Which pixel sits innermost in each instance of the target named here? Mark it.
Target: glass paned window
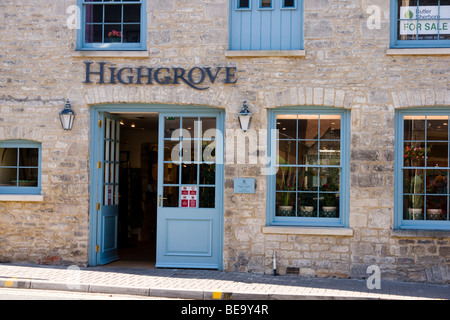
(112, 25)
(425, 168)
(310, 168)
(243, 4)
(189, 162)
(265, 4)
(422, 23)
(19, 167)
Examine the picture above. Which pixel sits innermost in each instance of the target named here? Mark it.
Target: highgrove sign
(199, 78)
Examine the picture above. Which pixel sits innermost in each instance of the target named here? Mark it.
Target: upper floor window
(266, 25)
(310, 186)
(112, 25)
(422, 169)
(20, 167)
(420, 23)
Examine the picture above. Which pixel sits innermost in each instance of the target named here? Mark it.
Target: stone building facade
(346, 64)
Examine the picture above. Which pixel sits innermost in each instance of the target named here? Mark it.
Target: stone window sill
(110, 54)
(317, 231)
(409, 233)
(418, 52)
(21, 197)
(264, 53)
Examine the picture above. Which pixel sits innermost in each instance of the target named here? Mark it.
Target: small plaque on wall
(244, 185)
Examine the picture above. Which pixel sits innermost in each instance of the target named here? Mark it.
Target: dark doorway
(138, 190)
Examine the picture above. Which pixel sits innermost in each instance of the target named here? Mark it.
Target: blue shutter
(276, 28)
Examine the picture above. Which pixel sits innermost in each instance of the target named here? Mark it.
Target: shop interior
(137, 190)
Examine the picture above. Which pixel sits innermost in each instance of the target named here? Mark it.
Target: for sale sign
(424, 20)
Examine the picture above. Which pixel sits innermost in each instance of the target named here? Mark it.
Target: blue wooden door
(108, 191)
(189, 223)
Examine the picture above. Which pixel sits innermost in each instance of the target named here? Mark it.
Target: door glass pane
(170, 196)
(189, 173)
(171, 150)
(207, 174)
(170, 125)
(190, 127)
(208, 151)
(207, 124)
(190, 150)
(207, 197)
(171, 173)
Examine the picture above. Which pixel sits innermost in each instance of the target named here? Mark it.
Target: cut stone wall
(346, 65)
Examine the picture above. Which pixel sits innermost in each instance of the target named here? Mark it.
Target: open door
(189, 192)
(108, 190)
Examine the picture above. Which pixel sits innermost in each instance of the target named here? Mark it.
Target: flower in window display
(415, 153)
(114, 36)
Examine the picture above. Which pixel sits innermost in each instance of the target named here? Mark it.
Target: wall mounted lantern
(67, 116)
(245, 117)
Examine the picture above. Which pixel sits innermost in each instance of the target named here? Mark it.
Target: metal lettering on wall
(196, 77)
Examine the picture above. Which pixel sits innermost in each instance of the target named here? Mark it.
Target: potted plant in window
(287, 185)
(114, 36)
(329, 208)
(434, 208)
(416, 199)
(306, 201)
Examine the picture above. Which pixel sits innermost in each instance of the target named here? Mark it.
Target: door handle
(160, 198)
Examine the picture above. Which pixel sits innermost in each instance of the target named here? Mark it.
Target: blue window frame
(420, 23)
(309, 186)
(20, 167)
(422, 169)
(266, 25)
(112, 25)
